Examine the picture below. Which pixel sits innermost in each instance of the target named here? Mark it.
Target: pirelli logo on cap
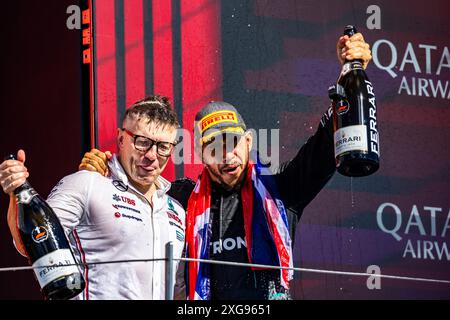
(217, 117)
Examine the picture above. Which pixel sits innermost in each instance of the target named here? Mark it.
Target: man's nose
(152, 153)
(228, 149)
(228, 155)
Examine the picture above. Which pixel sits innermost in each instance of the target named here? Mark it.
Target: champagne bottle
(46, 245)
(356, 139)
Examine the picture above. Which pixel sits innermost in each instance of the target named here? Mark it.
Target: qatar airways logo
(425, 60)
(424, 232)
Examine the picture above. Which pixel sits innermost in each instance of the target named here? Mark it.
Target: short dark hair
(153, 109)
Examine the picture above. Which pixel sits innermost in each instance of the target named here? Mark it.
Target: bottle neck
(351, 31)
(354, 62)
(25, 186)
(25, 193)
(349, 66)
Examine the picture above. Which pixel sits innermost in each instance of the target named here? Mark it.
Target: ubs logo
(39, 234)
(124, 199)
(120, 185)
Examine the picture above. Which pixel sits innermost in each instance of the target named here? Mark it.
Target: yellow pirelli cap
(217, 117)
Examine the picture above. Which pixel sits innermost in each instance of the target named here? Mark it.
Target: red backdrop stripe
(105, 88)
(163, 58)
(201, 64)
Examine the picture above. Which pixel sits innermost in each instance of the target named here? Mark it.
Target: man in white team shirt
(125, 216)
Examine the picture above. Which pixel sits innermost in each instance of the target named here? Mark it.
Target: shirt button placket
(158, 253)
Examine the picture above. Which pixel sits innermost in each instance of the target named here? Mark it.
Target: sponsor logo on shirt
(119, 206)
(119, 215)
(228, 244)
(180, 236)
(170, 205)
(124, 199)
(176, 225)
(120, 185)
(131, 217)
(55, 188)
(172, 215)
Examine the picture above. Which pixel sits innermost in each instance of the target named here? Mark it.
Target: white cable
(318, 270)
(238, 264)
(79, 264)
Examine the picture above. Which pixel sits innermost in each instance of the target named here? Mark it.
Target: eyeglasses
(143, 144)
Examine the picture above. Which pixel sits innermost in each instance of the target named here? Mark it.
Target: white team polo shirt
(107, 219)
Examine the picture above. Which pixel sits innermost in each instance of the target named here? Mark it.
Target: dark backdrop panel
(278, 60)
(40, 103)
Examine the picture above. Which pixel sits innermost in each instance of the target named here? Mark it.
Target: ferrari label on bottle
(372, 119)
(350, 138)
(54, 266)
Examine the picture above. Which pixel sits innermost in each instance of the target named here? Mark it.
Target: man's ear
(249, 140)
(119, 138)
